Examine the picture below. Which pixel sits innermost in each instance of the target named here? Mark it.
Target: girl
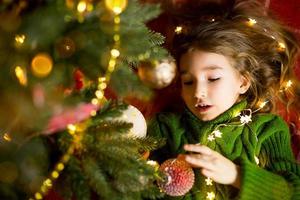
(232, 69)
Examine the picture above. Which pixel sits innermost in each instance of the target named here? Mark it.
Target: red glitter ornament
(179, 177)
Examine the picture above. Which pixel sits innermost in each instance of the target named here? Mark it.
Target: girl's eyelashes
(190, 82)
(213, 79)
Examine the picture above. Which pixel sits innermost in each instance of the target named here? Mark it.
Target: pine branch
(79, 183)
(111, 127)
(156, 39)
(125, 82)
(97, 179)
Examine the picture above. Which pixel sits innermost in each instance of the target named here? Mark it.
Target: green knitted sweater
(266, 137)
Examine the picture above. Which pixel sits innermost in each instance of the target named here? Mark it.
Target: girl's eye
(187, 82)
(213, 79)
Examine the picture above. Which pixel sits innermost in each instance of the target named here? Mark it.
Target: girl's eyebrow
(213, 67)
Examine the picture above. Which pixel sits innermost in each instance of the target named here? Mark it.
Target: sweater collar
(224, 117)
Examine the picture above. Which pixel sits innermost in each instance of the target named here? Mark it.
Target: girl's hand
(213, 164)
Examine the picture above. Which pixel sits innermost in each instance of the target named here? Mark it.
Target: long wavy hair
(258, 46)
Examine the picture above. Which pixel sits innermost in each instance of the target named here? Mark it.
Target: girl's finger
(200, 162)
(208, 173)
(198, 149)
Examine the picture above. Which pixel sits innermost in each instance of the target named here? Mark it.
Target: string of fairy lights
(244, 118)
(41, 66)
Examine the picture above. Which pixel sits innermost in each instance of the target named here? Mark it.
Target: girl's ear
(245, 84)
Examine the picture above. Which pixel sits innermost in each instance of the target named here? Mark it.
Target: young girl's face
(210, 84)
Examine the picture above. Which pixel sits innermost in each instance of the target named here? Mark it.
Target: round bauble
(134, 116)
(157, 75)
(179, 177)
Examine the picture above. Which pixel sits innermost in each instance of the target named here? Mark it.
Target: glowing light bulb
(208, 181)
(262, 104)
(55, 174)
(99, 94)
(93, 113)
(101, 79)
(116, 6)
(6, 137)
(251, 22)
(71, 128)
(38, 195)
(289, 84)
(211, 196)
(47, 182)
(245, 119)
(20, 39)
(281, 46)
(95, 101)
(178, 29)
(82, 6)
(21, 75)
(115, 53)
(60, 166)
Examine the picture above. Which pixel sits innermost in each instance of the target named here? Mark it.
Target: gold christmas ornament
(157, 75)
(41, 65)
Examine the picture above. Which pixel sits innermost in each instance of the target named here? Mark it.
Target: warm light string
(77, 131)
(116, 7)
(285, 85)
(245, 116)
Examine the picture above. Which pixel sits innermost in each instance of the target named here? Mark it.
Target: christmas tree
(66, 67)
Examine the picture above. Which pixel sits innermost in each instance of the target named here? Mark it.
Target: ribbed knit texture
(267, 137)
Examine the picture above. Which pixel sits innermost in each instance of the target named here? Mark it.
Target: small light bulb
(71, 128)
(6, 137)
(178, 29)
(55, 174)
(99, 94)
(21, 75)
(115, 53)
(20, 39)
(81, 7)
(263, 104)
(281, 46)
(251, 22)
(95, 101)
(289, 84)
(211, 196)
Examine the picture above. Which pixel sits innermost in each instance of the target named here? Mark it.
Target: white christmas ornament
(134, 116)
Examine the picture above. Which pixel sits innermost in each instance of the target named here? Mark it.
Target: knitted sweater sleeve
(166, 126)
(279, 178)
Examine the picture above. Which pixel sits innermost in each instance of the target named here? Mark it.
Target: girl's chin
(205, 117)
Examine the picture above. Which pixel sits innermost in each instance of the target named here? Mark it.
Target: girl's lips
(203, 108)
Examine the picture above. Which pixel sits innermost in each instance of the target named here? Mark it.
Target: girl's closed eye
(213, 79)
(188, 82)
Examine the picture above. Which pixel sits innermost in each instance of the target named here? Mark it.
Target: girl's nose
(200, 91)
